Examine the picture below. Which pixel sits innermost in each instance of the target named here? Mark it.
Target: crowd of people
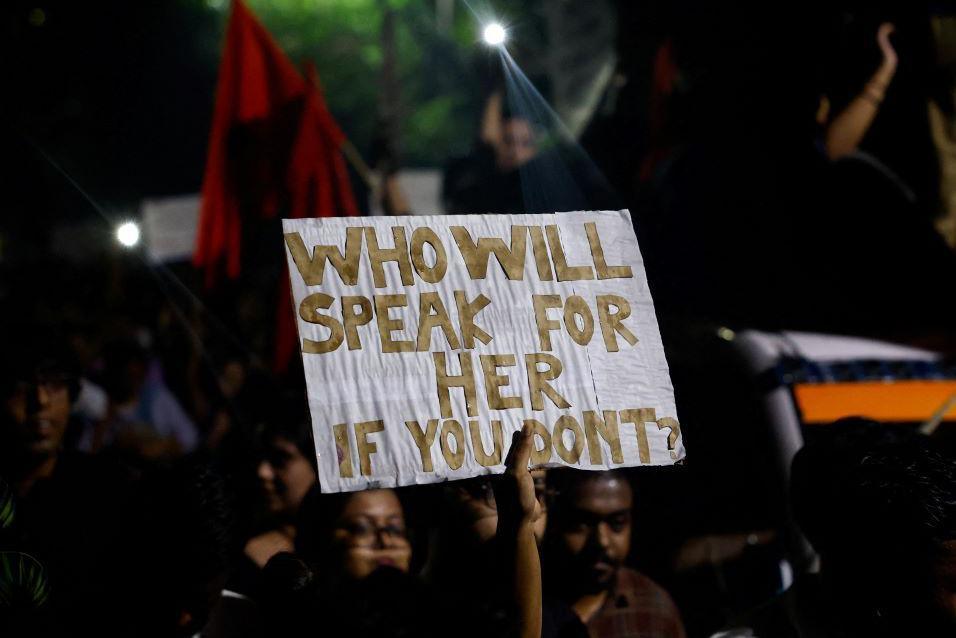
(148, 492)
(126, 521)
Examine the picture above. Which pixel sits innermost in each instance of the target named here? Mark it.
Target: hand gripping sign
(427, 341)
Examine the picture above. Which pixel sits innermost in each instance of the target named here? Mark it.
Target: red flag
(318, 179)
(319, 186)
(273, 144)
(257, 88)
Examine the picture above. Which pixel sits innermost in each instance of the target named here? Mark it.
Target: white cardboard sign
(427, 341)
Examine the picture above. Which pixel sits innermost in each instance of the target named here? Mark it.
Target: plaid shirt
(636, 607)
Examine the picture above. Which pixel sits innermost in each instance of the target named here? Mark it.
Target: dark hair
(825, 468)
(563, 481)
(317, 517)
(290, 422)
(287, 595)
(877, 502)
(179, 542)
(33, 358)
(117, 357)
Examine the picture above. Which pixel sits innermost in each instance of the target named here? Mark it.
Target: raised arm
(491, 133)
(846, 130)
(517, 511)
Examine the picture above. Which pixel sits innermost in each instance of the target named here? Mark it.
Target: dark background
(741, 219)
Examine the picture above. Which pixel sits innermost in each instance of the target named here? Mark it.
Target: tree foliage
(440, 74)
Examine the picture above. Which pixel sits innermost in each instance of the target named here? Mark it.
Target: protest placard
(427, 341)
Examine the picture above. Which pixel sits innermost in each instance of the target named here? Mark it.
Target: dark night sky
(120, 94)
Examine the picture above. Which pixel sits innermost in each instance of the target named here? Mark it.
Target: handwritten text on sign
(426, 341)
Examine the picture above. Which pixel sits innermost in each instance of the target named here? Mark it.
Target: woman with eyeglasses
(351, 574)
(347, 537)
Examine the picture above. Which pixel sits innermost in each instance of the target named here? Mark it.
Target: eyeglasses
(365, 533)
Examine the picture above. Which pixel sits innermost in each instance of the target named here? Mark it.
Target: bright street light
(127, 234)
(494, 34)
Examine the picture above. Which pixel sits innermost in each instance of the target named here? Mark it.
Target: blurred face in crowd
(125, 379)
(370, 533)
(232, 378)
(477, 499)
(285, 476)
(518, 144)
(39, 410)
(594, 530)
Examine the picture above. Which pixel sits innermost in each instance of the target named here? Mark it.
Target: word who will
(550, 263)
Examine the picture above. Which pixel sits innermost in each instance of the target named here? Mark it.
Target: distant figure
(64, 506)
(464, 540)
(845, 129)
(144, 417)
(489, 179)
(942, 118)
(175, 547)
(286, 472)
(475, 506)
(872, 491)
(588, 540)
(515, 145)
(878, 504)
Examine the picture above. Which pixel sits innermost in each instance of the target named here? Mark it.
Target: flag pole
(355, 159)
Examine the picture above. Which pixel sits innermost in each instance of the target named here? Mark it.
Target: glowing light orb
(494, 34)
(128, 234)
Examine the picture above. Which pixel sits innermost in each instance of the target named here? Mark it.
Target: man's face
(39, 411)
(285, 477)
(594, 530)
(518, 145)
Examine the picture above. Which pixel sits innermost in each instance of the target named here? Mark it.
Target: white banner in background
(427, 341)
